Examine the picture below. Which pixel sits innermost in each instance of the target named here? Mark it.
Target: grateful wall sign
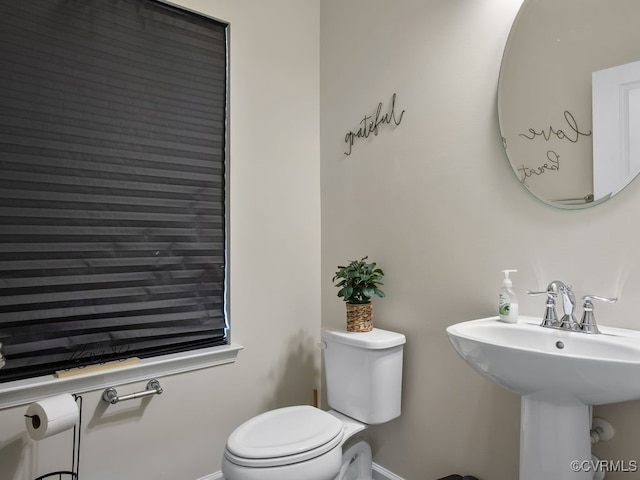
(371, 123)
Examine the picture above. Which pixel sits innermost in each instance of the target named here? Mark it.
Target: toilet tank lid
(376, 339)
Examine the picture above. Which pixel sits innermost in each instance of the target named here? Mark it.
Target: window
(112, 182)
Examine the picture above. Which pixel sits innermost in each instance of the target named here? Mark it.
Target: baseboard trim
(213, 476)
(379, 473)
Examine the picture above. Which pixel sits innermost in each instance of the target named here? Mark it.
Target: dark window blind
(112, 182)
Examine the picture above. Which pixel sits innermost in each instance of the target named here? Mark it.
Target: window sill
(22, 392)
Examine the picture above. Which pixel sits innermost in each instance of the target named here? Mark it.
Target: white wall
(434, 201)
(275, 273)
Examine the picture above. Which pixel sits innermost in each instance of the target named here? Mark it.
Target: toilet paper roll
(51, 416)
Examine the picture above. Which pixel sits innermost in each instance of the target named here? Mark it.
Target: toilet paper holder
(110, 395)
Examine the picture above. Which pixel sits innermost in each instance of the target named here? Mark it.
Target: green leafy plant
(358, 281)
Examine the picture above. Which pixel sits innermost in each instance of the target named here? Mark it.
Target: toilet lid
(290, 431)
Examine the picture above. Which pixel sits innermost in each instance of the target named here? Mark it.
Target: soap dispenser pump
(507, 300)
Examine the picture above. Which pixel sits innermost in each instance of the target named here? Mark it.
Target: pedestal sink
(559, 374)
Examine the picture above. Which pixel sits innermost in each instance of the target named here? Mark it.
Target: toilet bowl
(363, 372)
(299, 442)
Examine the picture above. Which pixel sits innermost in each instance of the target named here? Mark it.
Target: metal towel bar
(110, 395)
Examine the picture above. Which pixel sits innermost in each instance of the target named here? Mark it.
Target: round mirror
(545, 99)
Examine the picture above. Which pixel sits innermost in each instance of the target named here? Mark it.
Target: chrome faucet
(587, 324)
(568, 321)
(550, 319)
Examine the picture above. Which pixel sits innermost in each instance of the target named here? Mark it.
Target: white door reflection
(616, 128)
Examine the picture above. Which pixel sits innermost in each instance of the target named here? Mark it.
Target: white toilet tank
(364, 373)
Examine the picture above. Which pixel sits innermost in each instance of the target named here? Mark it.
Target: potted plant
(358, 283)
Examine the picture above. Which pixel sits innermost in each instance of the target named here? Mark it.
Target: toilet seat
(284, 436)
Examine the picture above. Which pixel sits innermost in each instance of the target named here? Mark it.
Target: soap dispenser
(507, 300)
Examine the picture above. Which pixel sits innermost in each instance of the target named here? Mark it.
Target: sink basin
(526, 358)
(559, 375)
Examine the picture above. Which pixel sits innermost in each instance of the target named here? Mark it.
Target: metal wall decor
(370, 123)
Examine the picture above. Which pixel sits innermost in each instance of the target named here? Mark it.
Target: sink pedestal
(554, 432)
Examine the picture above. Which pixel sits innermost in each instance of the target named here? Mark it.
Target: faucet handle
(544, 292)
(550, 318)
(588, 298)
(588, 321)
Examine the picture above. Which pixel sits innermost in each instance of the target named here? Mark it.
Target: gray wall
(435, 202)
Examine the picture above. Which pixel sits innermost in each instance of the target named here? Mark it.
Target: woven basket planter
(359, 317)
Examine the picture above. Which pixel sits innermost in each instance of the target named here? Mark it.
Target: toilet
(364, 387)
